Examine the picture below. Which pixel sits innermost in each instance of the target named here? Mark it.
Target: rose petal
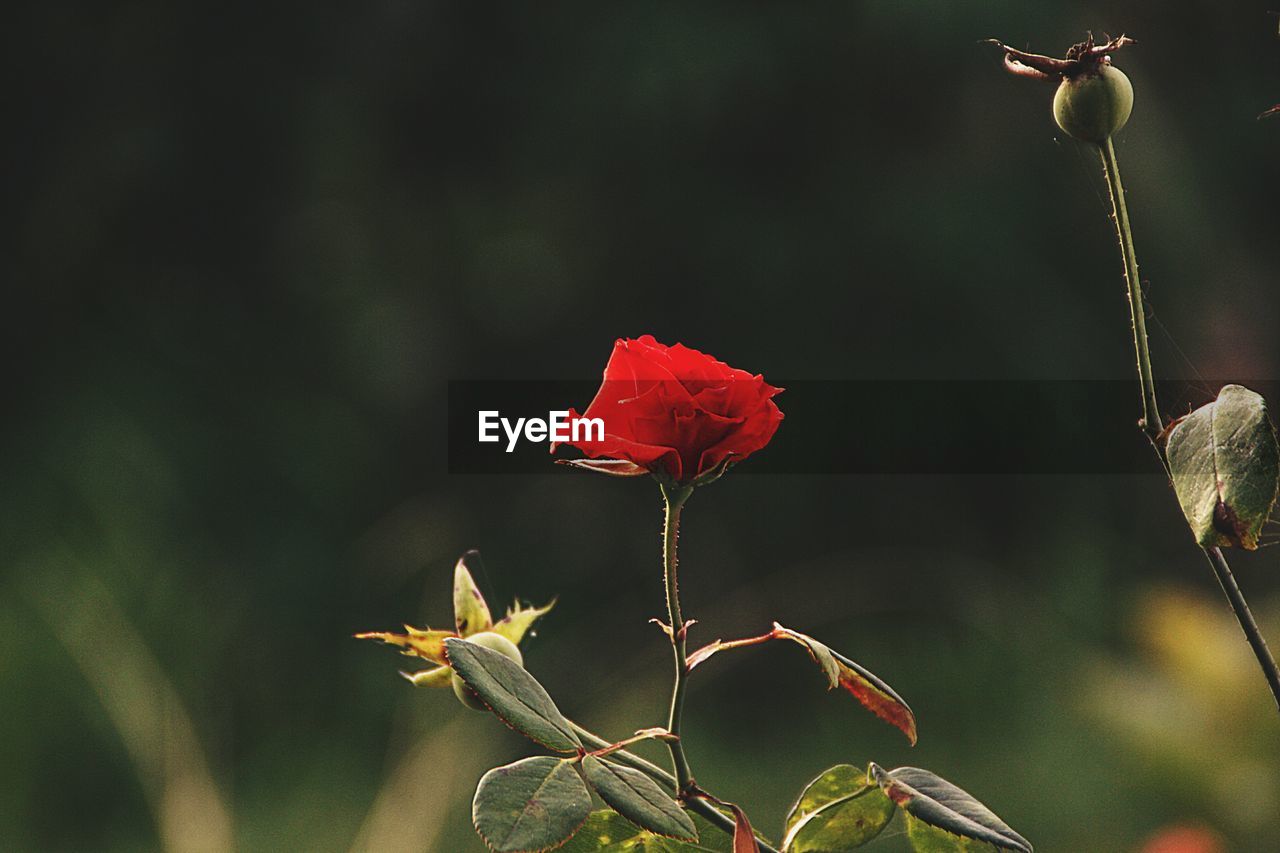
(678, 410)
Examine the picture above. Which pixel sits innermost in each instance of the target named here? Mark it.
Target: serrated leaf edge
(611, 766)
(568, 730)
(558, 845)
(885, 777)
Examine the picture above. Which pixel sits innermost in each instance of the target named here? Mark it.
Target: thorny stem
(643, 735)
(625, 756)
(1153, 425)
(713, 815)
(674, 497)
(1245, 618)
(720, 645)
(1151, 422)
(686, 789)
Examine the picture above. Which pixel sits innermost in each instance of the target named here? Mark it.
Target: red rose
(677, 412)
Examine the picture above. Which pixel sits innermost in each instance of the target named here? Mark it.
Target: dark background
(249, 246)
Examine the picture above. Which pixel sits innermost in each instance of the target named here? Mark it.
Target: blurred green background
(250, 244)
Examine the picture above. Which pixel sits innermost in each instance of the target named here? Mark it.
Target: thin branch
(1241, 608)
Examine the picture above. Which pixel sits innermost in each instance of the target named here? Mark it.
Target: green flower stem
(1151, 422)
(713, 815)
(1153, 425)
(674, 497)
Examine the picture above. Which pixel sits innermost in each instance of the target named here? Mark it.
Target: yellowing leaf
(610, 832)
(837, 812)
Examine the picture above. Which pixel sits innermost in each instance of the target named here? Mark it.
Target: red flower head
(677, 413)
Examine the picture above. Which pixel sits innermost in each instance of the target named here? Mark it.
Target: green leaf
(1225, 467)
(513, 694)
(638, 798)
(470, 612)
(935, 801)
(838, 811)
(929, 839)
(531, 805)
(876, 696)
(609, 832)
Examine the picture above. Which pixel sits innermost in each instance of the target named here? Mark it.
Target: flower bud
(497, 643)
(1093, 105)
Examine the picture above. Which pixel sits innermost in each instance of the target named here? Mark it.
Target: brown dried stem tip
(1082, 58)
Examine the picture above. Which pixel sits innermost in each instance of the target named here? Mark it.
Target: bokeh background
(250, 244)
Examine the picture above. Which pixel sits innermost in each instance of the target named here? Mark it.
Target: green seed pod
(1094, 105)
(497, 643)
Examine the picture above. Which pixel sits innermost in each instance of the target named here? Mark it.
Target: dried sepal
(519, 619)
(439, 676)
(609, 467)
(470, 612)
(472, 618)
(1082, 58)
(415, 642)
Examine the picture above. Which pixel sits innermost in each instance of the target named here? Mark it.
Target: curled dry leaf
(876, 696)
